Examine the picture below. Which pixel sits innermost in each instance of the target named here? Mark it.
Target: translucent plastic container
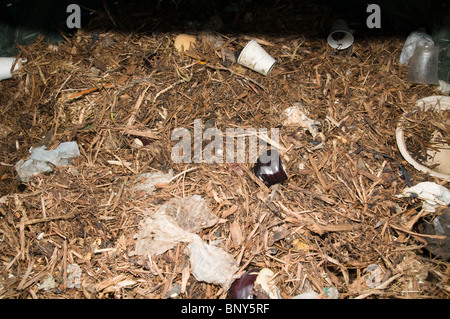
(424, 65)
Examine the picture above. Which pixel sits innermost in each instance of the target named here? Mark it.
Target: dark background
(22, 20)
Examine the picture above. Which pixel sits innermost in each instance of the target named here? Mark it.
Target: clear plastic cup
(424, 65)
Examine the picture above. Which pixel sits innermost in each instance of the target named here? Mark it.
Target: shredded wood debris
(122, 97)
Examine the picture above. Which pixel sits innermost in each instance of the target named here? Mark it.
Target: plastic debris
(414, 39)
(374, 276)
(190, 213)
(173, 222)
(177, 221)
(254, 57)
(439, 226)
(255, 284)
(42, 160)
(433, 195)
(184, 42)
(340, 36)
(331, 292)
(265, 284)
(73, 276)
(444, 87)
(148, 181)
(173, 292)
(270, 169)
(424, 65)
(158, 234)
(6, 64)
(48, 283)
(296, 116)
(242, 287)
(307, 295)
(211, 264)
(438, 156)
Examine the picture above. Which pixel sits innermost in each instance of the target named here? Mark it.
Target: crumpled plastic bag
(41, 160)
(419, 37)
(158, 234)
(191, 213)
(147, 181)
(211, 264)
(177, 221)
(433, 195)
(173, 222)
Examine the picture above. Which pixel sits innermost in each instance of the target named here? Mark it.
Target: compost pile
(73, 232)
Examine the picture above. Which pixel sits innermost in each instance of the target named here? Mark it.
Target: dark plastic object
(242, 288)
(269, 168)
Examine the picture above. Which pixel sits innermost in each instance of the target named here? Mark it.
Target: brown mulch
(336, 215)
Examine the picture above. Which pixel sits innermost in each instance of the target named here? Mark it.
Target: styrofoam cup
(254, 57)
(6, 64)
(340, 37)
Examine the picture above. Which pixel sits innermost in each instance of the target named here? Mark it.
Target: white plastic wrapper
(173, 222)
(177, 221)
(38, 161)
(158, 234)
(433, 195)
(211, 264)
(147, 181)
(414, 39)
(191, 213)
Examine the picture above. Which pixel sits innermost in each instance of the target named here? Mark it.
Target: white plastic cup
(340, 37)
(254, 57)
(6, 64)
